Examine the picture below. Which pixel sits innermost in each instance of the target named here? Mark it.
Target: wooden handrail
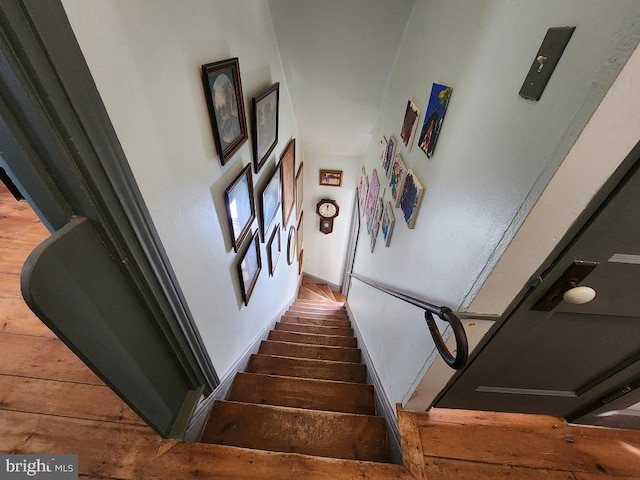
(457, 361)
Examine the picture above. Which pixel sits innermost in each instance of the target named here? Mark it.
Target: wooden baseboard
(383, 405)
(199, 417)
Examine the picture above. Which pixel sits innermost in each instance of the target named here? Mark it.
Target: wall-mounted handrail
(457, 361)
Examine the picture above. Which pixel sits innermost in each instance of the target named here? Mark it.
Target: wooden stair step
(323, 310)
(306, 368)
(304, 393)
(306, 293)
(316, 314)
(340, 298)
(292, 430)
(312, 339)
(323, 322)
(314, 352)
(327, 291)
(298, 327)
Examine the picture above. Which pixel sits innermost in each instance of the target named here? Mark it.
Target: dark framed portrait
(271, 202)
(223, 91)
(241, 212)
(273, 250)
(265, 124)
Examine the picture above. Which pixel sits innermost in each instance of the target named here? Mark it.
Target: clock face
(327, 210)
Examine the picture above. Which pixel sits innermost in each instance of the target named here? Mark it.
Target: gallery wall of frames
(396, 186)
(272, 205)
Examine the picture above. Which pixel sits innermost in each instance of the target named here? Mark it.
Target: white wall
(326, 253)
(145, 57)
(495, 154)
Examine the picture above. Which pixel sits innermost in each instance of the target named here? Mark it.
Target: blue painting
(436, 109)
(411, 196)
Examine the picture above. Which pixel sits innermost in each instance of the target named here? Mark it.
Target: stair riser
(329, 322)
(314, 352)
(310, 339)
(303, 393)
(295, 327)
(324, 434)
(317, 316)
(315, 309)
(302, 368)
(307, 294)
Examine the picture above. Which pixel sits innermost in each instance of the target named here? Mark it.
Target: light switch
(545, 62)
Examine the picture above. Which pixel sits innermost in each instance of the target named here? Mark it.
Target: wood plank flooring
(50, 402)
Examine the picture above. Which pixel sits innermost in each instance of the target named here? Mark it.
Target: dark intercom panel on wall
(545, 62)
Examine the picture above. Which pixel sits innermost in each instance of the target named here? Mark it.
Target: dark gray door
(572, 358)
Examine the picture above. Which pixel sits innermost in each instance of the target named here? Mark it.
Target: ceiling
(337, 57)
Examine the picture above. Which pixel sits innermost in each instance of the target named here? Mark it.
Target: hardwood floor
(52, 403)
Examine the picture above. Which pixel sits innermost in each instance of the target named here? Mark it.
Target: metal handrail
(457, 361)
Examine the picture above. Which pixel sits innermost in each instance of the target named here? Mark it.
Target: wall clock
(327, 210)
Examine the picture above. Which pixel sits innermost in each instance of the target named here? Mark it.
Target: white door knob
(579, 295)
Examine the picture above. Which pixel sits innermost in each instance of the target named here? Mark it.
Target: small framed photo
(388, 157)
(223, 91)
(238, 200)
(271, 200)
(412, 192)
(291, 245)
(331, 178)
(300, 258)
(363, 189)
(433, 118)
(299, 189)
(249, 267)
(299, 233)
(264, 122)
(288, 180)
(273, 250)
(409, 124)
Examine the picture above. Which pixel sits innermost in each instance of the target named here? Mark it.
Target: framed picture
(372, 196)
(412, 191)
(398, 172)
(223, 91)
(330, 178)
(288, 180)
(433, 118)
(363, 189)
(299, 189)
(388, 157)
(383, 150)
(238, 200)
(271, 199)
(249, 267)
(273, 250)
(387, 222)
(299, 233)
(291, 245)
(265, 108)
(300, 258)
(375, 223)
(409, 124)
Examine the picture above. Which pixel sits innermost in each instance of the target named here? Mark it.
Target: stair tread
(313, 338)
(315, 352)
(298, 327)
(308, 293)
(285, 429)
(304, 393)
(307, 368)
(326, 322)
(327, 291)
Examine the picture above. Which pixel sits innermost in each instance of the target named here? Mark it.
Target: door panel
(558, 362)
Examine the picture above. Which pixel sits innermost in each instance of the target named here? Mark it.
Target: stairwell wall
(145, 58)
(496, 153)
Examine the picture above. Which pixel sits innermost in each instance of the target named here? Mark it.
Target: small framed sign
(331, 178)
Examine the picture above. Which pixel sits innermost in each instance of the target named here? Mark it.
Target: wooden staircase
(305, 390)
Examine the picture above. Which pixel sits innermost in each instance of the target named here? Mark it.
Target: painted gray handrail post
(457, 361)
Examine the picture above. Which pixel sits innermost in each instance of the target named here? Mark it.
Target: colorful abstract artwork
(363, 189)
(388, 157)
(433, 118)
(412, 191)
(398, 172)
(372, 196)
(375, 223)
(409, 124)
(387, 222)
